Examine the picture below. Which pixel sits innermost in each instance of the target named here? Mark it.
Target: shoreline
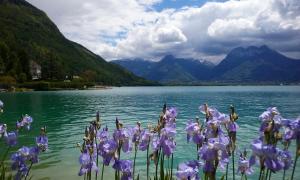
(103, 87)
(55, 89)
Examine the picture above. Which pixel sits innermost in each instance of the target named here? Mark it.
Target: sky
(199, 29)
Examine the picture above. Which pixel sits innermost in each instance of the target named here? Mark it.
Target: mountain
(241, 65)
(257, 64)
(28, 35)
(139, 67)
(169, 69)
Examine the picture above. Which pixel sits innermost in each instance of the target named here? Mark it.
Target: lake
(66, 113)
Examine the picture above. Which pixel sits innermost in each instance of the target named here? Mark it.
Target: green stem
(135, 152)
(172, 158)
(266, 177)
(260, 173)
(28, 170)
(102, 171)
(270, 175)
(156, 164)
(233, 173)
(119, 157)
(97, 154)
(90, 171)
(226, 175)
(5, 154)
(156, 169)
(198, 157)
(148, 160)
(294, 167)
(162, 171)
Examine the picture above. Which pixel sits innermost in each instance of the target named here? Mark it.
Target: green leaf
(223, 177)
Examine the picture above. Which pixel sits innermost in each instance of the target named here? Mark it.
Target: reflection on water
(66, 114)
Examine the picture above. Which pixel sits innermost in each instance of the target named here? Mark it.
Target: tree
(51, 68)
(89, 75)
(25, 63)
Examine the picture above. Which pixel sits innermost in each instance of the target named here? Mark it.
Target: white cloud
(132, 28)
(169, 35)
(149, 2)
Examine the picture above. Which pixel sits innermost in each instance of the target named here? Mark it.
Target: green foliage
(27, 34)
(14, 63)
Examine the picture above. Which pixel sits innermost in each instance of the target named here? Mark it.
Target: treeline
(15, 66)
(28, 35)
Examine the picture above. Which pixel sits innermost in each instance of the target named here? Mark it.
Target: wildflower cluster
(25, 155)
(266, 152)
(214, 138)
(125, 140)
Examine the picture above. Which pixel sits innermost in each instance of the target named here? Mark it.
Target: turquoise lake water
(66, 113)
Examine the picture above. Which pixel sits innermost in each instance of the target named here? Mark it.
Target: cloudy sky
(201, 29)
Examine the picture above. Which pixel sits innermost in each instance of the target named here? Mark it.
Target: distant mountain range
(27, 34)
(241, 65)
(169, 69)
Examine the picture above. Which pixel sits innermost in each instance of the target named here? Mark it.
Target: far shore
(19, 88)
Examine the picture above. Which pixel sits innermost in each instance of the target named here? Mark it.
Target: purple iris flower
(107, 150)
(42, 142)
(123, 136)
(295, 125)
(25, 122)
(286, 159)
(194, 133)
(156, 143)
(208, 154)
(188, 170)
(19, 164)
(3, 128)
(145, 140)
(213, 113)
(87, 163)
(271, 114)
(222, 118)
(165, 141)
(257, 151)
(168, 132)
(87, 159)
(232, 126)
(171, 114)
(290, 129)
(136, 134)
(213, 129)
(168, 147)
(29, 153)
(212, 110)
(103, 135)
(274, 158)
(1, 106)
(214, 149)
(244, 166)
(11, 138)
(34, 152)
(125, 166)
(20, 157)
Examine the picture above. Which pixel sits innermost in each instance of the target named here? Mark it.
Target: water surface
(66, 113)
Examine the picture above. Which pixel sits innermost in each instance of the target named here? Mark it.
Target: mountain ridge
(29, 31)
(241, 65)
